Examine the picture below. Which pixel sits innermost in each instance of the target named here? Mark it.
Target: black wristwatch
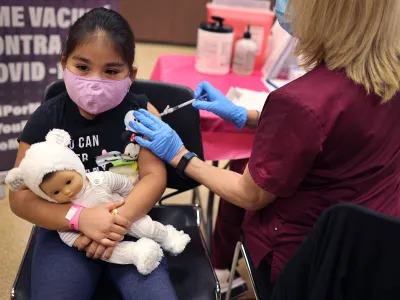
(181, 167)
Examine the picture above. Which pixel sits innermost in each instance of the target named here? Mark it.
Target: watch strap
(181, 167)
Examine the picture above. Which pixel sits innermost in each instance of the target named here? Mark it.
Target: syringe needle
(169, 110)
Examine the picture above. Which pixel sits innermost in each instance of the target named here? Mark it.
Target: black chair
(351, 253)
(191, 272)
(242, 249)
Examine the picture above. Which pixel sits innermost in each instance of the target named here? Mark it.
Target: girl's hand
(93, 250)
(97, 251)
(101, 226)
(82, 243)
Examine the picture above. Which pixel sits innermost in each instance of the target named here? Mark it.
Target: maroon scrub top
(321, 140)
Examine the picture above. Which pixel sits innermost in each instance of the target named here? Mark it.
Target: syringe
(169, 110)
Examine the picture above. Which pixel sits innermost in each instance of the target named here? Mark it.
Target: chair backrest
(54, 89)
(186, 121)
(351, 253)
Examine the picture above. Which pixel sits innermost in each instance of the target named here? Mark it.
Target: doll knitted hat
(43, 158)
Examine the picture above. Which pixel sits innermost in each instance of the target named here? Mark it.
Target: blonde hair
(359, 36)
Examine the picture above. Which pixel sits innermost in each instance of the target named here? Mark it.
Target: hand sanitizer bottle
(245, 54)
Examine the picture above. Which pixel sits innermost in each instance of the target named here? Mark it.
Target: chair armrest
(18, 291)
(207, 253)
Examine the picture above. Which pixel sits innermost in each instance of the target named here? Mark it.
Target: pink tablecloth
(221, 141)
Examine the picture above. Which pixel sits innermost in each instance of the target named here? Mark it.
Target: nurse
(330, 136)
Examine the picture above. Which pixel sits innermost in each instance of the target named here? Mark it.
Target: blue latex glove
(220, 105)
(164, 142)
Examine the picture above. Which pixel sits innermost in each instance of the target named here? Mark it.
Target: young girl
(97, 59)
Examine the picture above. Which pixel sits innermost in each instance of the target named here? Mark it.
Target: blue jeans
(63, 273)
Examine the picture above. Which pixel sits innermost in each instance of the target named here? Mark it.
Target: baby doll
(55, 173)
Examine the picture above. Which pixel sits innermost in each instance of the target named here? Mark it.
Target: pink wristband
(73, 216)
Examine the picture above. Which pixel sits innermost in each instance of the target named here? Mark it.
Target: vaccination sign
(32, 33)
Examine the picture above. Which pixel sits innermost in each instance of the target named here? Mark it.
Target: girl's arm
(151, 186)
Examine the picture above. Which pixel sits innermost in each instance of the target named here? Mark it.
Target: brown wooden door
(165, 21)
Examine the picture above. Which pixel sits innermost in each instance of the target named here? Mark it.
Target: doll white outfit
(103, 187)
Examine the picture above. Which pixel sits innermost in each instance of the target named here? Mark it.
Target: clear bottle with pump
(245, 54)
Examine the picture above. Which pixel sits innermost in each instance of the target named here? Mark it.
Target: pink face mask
(95, 95)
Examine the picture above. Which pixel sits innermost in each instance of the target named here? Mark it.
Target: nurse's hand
(220, 105)
(163, 141)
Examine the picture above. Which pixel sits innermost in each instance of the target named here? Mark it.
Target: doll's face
(63, 186)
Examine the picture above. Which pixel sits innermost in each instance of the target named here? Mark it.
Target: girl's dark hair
(107, 21)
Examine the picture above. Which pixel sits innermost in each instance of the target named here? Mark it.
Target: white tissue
(251, 100)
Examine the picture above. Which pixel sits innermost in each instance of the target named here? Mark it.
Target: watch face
(184, 162)
(189, 155)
